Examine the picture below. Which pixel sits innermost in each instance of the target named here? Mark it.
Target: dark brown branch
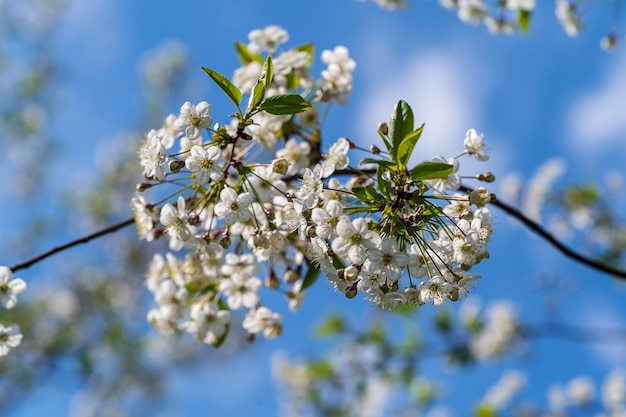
(107, 230)
(538, 229)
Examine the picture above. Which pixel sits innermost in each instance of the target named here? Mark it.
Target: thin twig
(107, 230)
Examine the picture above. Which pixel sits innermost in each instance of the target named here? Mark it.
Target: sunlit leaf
(225, 85)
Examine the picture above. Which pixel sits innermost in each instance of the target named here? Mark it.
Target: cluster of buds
(259, 195)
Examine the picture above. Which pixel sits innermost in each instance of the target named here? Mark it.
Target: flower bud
(143, 186)
(453, 295)
(375, 150)
(352, 291)
(486, 177)
(176, 166)
(194, 219)
(351, 273)
(383, 128)
(291, 276)
(271, 281)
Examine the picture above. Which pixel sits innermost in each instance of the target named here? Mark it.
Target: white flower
(499, 25)
(153, 157)
(297, 154)
(337, 78)
(291, 60)
(451, 182)
(241, 291)
(10, 287)
(528, 5)
(354, 240)
(472, 11)
(243, 264)
(292, 216)
(436, 290)
(337, 157)
(266, 183)
(176, 220)
(474, 145)
(581, 391)
(10, 338)
(144, 217)
(193, 119)
(614, 390)
(246, 77)
(267, 39)
(327, 218)
(388, 260)
(568, 16)
(311, 186)
(232, 207)
(501, 394)
(202, 162)
(262, 319)
(208, 322)
(393, 4)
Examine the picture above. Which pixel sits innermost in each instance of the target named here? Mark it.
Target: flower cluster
(259, 196)
(509, 16)
(10, 288)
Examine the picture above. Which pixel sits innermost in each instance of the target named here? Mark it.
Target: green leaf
(523, 20)
(245, 56)
(268, 71)
(383, 185)
(285, 104)
(231, 90)
(431, 171)
(400, 125)
(331, 326)
(311, 276)
(405, 150)
(258, 92)
(485, 410)
(379, 162)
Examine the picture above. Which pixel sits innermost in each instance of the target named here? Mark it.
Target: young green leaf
(284, 104)
(407, 145)
(245, 56)
(311, 276)
(400, 125)
(258, 92)
(383, 162)
(231, 90)
(431, 171)
(523, 20)
(268, 71)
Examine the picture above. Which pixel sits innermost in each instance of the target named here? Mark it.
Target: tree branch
(107, 230)
(510, 210)
(538, 229)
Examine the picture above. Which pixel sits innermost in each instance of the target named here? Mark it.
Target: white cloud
(597, 119)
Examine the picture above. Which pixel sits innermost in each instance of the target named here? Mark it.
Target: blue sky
(534, 97)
